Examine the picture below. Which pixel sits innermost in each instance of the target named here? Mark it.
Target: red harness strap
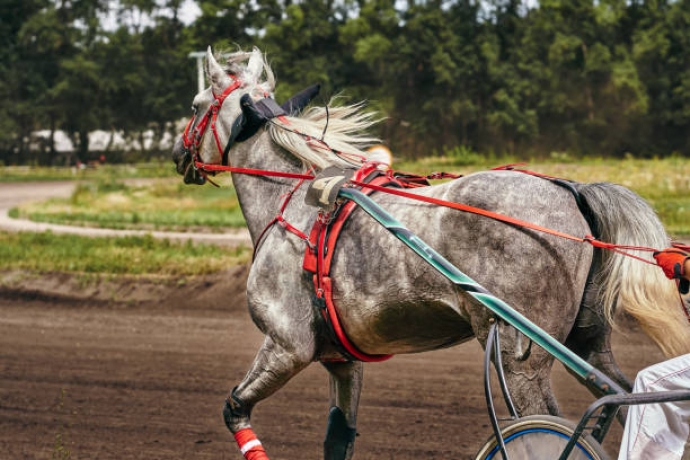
(619, 248)
(280, 219)
(319, 256)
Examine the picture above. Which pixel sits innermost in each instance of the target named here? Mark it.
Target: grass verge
(130, 255)
(165, 205)
(121, 171)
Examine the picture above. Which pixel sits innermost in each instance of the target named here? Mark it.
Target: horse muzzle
(181, 156)
(192, 175)
(184, 164)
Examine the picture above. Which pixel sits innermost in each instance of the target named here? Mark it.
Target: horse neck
(261, 197)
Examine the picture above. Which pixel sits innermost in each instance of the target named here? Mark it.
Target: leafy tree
(31, 35)
(304, 48)
(661, 53)
(507, 100)
(148, 82)
(604, 77)
(591, 93)
(223, 24)
(79, 95)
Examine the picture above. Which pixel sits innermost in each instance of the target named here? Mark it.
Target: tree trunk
(51, 148)
(588, 91)
(83, 146)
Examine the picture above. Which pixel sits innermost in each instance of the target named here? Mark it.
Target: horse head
(217, 112)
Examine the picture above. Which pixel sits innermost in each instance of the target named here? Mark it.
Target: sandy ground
(142, 378)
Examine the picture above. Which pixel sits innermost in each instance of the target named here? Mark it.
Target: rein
(590, 239)
(618, 248)
(249, 171)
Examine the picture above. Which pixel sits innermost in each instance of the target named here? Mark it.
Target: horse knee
(340, 438)
(236, 413)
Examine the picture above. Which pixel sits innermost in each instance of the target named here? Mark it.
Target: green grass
(167, 205)
(131, 255)
(42, 173)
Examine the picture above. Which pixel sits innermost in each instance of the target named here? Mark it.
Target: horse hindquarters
(641, 290)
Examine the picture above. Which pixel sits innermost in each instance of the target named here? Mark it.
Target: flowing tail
(620, 216)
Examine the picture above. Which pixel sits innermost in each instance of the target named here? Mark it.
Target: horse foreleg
(272, 368)
(591, 340)
(345, 389)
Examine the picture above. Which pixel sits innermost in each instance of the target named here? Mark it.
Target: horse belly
(415, 327)
(404, 321)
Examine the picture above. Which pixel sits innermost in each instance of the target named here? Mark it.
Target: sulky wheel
(541, 437)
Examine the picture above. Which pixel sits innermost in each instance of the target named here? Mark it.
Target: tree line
(582, 77)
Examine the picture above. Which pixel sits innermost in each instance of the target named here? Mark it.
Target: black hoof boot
(339, 436)
(235, 412)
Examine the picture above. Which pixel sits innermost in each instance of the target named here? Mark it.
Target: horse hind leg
(527, 374)
(272, 368)
(345, 388)
(590, 338)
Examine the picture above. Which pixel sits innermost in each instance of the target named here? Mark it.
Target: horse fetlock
(236, 413)
(340, 437)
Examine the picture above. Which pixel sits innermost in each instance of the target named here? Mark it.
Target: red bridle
(192, 140)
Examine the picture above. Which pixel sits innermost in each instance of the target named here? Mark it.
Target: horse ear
(255, 66)
(270, 82)
(215, 73)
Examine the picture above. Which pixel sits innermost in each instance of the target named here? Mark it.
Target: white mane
(343, 130)
(320, 136)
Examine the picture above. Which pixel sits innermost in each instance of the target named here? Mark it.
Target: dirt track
(127, 379)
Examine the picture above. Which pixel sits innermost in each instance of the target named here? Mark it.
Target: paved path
(13, 194)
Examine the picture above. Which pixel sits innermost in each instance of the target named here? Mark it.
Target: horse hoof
(339, 436)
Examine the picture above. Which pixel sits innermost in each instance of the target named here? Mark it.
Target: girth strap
(319, 257)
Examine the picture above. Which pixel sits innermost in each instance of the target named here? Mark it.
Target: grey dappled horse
(389, 300)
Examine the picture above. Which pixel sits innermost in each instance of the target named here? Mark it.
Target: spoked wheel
(541, 437)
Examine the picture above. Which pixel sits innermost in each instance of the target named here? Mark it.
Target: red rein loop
(281, 220)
